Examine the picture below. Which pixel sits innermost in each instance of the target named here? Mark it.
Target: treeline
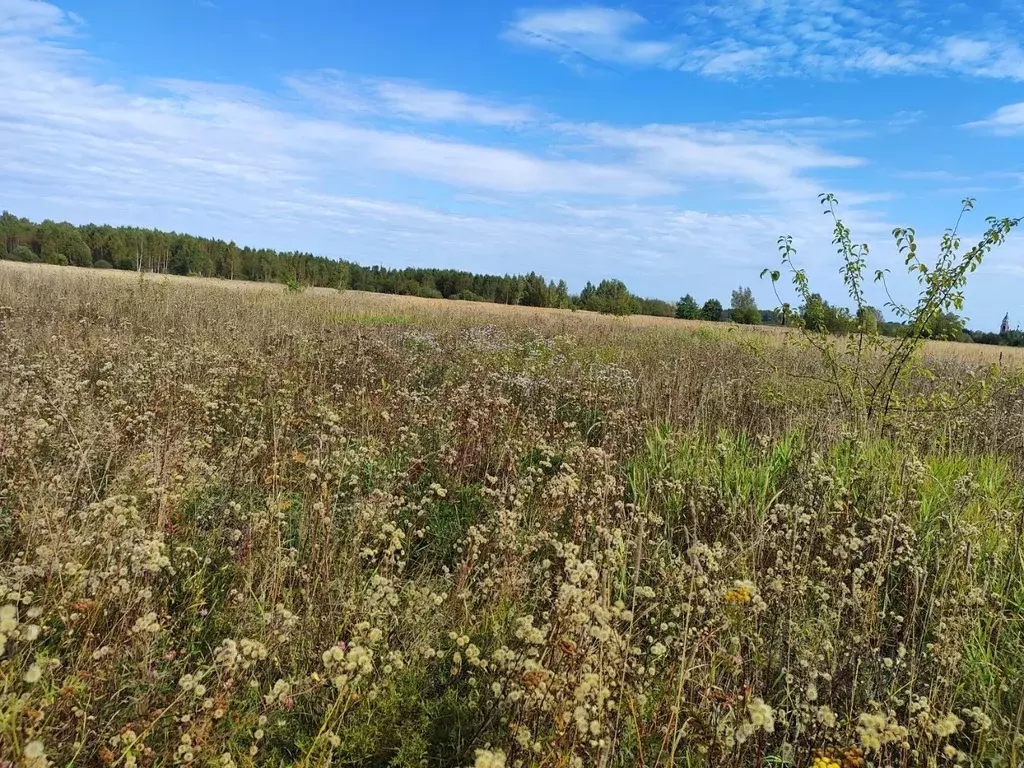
(151, 250)
(819, 315)
(1013, 338)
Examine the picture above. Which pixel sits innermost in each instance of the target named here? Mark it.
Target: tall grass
(266, 528)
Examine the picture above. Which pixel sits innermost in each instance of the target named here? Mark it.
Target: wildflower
(825, 762)
(281, 690)
(737, 596)
(227, 653)
(35, 755)
(252, 651)
(826, 716)
(8, 618)
(980, 720)
(33, 674)
(34, 749)
(947, 725)
(485, 758)
(877, 730)
(147, 623)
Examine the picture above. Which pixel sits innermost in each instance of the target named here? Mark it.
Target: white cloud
(1001, 59)
(603, 34)
(405, 99)
(443, 106)
(770, 165)
(322, 166)
(731, 39)
(491, 168)
(1005, 121)
(735, 62)
(55, 114)
(35, 17)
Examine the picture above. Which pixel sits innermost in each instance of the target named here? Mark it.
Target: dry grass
(240, 526)
(443, 311)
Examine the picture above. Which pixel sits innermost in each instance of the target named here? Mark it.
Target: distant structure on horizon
(1005, 327)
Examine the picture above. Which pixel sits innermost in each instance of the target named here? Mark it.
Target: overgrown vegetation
(241, 527)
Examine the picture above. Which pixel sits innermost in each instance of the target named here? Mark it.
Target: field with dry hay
(393, 308)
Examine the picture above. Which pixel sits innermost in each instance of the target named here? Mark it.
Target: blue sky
(667, 144)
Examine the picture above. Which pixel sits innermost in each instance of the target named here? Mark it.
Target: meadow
(242, 526)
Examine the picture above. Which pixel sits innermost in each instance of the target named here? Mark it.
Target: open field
(376, 308)
(241, 526)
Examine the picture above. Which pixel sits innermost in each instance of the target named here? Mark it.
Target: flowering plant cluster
(243, 527)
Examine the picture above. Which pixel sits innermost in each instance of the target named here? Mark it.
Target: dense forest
(151, 250)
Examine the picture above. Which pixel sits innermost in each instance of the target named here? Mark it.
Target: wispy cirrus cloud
(603, 34)
(419, 102)
(758, 162)
(1005, 121)
(35, 17)
(406, 99)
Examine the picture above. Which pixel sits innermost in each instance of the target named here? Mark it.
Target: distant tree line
(1014, 338)
(151, 250)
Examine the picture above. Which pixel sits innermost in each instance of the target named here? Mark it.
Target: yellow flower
(737, 596)
(825, 762)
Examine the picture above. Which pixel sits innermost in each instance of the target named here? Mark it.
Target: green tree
(869, 319)
(104, 246)
(24, 253)
(535, 291)
(559, 294)
(712, 310)
(408, 287)
(586, 296)
(947, 326)
(814, 312)
(744, 308)
(687, 308)
(839, 319)
(610, 296)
